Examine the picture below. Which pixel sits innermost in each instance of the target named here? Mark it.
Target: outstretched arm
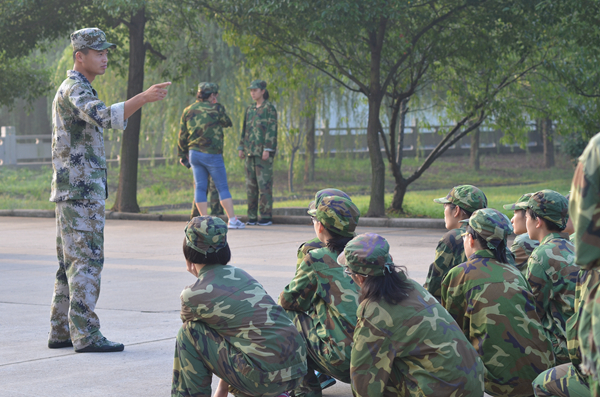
(155, 93)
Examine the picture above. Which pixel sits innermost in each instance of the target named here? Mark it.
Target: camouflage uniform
(552, 273)
(232, 328)
(259, 133)
(493, 305)
(79, 189)
(412, 348)
(322, 300)
(522, 246)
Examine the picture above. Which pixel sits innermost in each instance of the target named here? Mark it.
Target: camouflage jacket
(78, 159)
(259, 132)
(493, 305)
(411, 347)
(552, 275)
(449, 253)
(236, 306)
(201, 128)
(307, 246)
(522, 248)
(323, 291)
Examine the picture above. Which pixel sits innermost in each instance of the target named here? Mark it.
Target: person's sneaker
(252, 222)
(59, 345)
(102, 346)
(265, 222)
(325, 380)
(235, 223)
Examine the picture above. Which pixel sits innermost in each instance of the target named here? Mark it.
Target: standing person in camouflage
(201, 146)
(492, 303)
(258, 145)
(522, 246)
(403, 335)
(232, 327)
(322, 300)
(459, 204)
(79, 189)
(551, 269)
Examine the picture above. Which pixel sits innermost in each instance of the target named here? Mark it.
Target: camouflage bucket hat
(324, 193)
(521, 203)
(337, 214)
(206, 234)
(260, 84)
(367, 254)
(550, 205)
(208, 88)
(467, 197)
(92, 38)
(490, 224)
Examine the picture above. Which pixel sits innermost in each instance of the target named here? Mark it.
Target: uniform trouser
(318, 357)
(259, 187)
(80, 251)
(561, 381)
(200, 351)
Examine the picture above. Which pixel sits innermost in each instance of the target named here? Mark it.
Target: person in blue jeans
(201, 147)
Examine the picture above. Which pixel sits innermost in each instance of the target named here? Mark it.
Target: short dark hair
(337, 242)
(221, 257)
(551, 226)
(84, 51)
(499, 251)
(203, 96)
(464, 211)
(390, 287)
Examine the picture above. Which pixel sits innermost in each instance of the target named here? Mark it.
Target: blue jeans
(204, 164)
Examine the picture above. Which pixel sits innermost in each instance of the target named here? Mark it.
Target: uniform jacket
(201, 128)
(259, 132)
(522, 248)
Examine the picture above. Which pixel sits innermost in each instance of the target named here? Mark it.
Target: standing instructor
(79, 189)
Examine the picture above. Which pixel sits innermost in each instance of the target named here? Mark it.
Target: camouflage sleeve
(186, 312)
(541, 285)
(243, 134)
(224, 119)
(299, 294)
(93, 111)
(271, 132)
(453, 298)
(438, 269)
(182, 145)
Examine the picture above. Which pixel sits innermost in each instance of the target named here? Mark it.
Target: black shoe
(251, 222)
(102, 346)
(59, 345)
(265, 222)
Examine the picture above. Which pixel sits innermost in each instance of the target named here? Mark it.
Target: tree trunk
(475, 150)
(399, 193)
(126, 200)
(309, 159)
(548, 142)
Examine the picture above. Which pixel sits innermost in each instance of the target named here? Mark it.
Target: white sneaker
(235, 223)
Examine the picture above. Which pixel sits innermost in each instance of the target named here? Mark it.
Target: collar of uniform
(261, 105)
(483, 254)
(550, 237)
(78, 76)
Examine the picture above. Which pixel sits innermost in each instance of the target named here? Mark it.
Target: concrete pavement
(143, 275)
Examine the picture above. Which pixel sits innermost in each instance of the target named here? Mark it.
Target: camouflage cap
(208, 88)
(467, 197)
(490, 224)
(260, 84)
(206, 234)
(324, 193)
(367, 254)
(521, 203)
(337, 214)
(550, 205)
(92, 38)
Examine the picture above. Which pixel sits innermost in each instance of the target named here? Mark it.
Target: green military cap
(550, 205)
(521, 203)
(467, 197)
(208, 88)
(367, 254)
(206, 234)
(337, 214)
(490, 224)
(92, 38)
(324, 193)
(260, 84)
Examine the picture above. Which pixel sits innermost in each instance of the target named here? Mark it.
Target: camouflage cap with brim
(208, 88)
(521, 203)
(337, 214)
(550, 205)
(467, 197)
(367, 254)
(490, 224)
(324, 193)
(206, 234)
(260, 84)
(92, 38)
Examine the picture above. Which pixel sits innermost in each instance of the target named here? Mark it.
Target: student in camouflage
(551, 270)
(232, 327)
(322, 300)
(405, 342)
(492, 303)
(258, 145)
(522, 246)
(79, 189)
(201, 146)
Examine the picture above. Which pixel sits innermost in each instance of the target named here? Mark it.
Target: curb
(412, 223)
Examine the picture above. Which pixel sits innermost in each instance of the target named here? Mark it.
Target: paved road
(144, 273)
